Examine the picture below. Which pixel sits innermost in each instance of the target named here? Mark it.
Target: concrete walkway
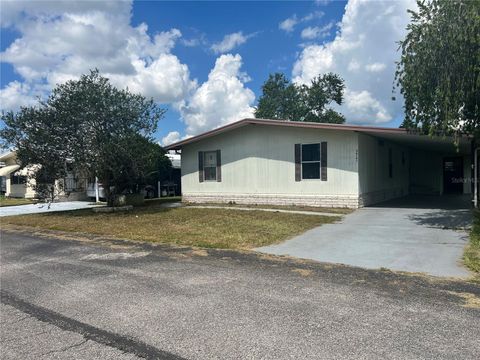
(43, 208)
(315, 213)
(425, 239)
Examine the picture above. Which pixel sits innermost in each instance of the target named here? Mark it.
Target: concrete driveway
(43, 208)
(415, 234)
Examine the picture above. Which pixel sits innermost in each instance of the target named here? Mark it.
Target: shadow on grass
(144, 209)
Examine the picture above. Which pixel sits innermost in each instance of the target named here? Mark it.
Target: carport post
(475, 179)
(97, 195)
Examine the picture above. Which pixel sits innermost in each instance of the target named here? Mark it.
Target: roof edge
(286, 123)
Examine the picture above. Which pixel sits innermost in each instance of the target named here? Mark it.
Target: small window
(18, 180)
(311, 161)
(210, 165)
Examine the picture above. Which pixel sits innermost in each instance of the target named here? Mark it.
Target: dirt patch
(303, 272)
(199, 252)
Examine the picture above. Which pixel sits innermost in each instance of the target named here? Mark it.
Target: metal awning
(7, 170)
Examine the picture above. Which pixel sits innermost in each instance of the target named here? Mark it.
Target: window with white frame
(311, 161)
(210, 165)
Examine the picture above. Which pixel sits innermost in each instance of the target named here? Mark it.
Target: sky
(205, 61)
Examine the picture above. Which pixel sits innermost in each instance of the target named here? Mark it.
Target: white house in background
(257, 161)
(13, 180)
(16, 181)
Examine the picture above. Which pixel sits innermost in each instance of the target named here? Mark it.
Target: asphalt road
(100, 299)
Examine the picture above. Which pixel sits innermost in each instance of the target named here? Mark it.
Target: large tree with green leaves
(282, 99)
(104, 131)
(439, 70)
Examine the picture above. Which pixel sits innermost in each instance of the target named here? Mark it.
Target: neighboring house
(168, 187)
(256, 161)
(17, 182)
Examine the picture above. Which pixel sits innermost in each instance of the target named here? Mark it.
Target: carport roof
(404, 136)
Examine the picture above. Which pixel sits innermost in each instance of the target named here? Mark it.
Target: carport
(416, 193)
(398, 163)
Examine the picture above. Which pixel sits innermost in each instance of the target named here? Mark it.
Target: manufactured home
(17, 181)
(258, 161)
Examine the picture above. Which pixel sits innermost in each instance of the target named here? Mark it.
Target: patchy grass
(471, 256)
(8, 201)
(469, 300)
(208, 228)
(340, 211)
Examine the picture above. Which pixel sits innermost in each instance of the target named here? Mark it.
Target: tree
(282, 99)
(131, 163)
(439, 69)
(104, 131)
(32, 132)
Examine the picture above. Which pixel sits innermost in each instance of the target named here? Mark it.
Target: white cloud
(364, 54)
(62, 40)
(16, 11)
(15, 95)
(222, 99)
(165, 79)
(375, 67)
(172, 137)
(288, 25)
(230, 42)
(362, 102)
(315, 32)
(313, 15)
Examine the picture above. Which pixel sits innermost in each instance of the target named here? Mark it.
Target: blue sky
(205, 61)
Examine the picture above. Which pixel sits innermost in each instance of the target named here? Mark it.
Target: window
(210, 165)
(310, 161)
(18, 179)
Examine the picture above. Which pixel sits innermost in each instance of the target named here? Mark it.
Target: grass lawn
(471, 257)
(6, 201)
(213, 228)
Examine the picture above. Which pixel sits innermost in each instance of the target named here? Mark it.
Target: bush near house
(472, 252)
